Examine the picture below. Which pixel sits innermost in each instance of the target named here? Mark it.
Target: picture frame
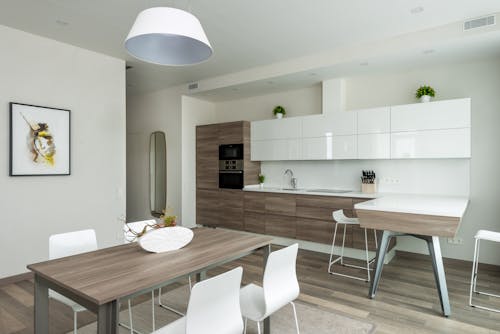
(40, 140)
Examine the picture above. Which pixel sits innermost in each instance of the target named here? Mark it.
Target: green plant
(279, 110)
(425, 90)
(262, 178)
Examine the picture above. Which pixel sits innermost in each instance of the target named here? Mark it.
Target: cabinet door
(281, 204)
(275, 149)
(282, 226)
(322, 231)
(317, 126)
(345, 147)
(276, 129)
(344, 123)
(255, 202)
(255, 222)
(451, 143)
(231, 133)
(320, 148)
(207, 207)
(231, 209)
(374, 120)
(448, 114)
(374, 146)
(207, 156)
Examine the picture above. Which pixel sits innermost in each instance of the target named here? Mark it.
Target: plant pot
(261, 185)
(425, 98)
(279, 115)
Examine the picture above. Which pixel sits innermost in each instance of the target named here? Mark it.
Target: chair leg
(333, 247)
(245, 326)
(130, 317)
(376, 240)
(473, 275)
(258, 327)
(343, 244)
(367, 257)
(153, 308)
(295, 316)
(75, 322)
(190, 283)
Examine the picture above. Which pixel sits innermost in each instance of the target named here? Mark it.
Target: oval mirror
(157, 173)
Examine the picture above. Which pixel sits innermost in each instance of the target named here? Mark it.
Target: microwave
(231, 152)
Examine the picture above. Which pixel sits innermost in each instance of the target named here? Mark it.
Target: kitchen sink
(329, 191)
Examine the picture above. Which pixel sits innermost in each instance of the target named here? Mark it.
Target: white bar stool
(481, 235)
(341, 219)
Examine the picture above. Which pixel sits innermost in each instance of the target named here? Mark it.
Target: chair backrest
(280, 278)
(214, 305)
(72, 243)
(136, 227)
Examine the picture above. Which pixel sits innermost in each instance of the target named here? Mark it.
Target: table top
(116, 272)
(447, 206)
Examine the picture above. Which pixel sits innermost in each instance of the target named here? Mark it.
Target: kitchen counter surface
(300, 191)
(447, 206)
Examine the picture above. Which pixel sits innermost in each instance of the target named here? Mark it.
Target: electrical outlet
(389, 180)
(456, 241)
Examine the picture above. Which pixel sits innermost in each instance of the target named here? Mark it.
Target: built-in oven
(231, 166)
(231, 152)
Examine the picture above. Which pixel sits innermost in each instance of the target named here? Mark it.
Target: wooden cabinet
(255, 222)
(231, 209)
(280, 204)
(207, 156)
(255, 202)
(207, 207)
(230, 133)
(281, 226)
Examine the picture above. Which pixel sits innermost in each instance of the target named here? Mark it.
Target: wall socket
(456, 241)
(389, 180)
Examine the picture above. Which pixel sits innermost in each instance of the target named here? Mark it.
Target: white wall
(194, 112)
(478, 80)
(299, 102)
(41, 71)
(146, 113)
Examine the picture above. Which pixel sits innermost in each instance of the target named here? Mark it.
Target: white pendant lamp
(168, 36)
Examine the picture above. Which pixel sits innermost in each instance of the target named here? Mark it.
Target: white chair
(67, 244)
(341, 219)
(280, 287)
(214, 307)
(130, 232)
(481, 235)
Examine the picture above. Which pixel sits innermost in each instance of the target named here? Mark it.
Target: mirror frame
(157, 182)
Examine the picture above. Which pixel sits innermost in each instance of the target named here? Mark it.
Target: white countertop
(305, 191)
(448, 206)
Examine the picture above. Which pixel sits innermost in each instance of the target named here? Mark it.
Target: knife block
(369, 188)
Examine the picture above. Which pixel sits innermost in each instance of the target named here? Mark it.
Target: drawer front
(315, 230)
(283, 226)
(280, 204)
(255, 222)
(358, 238)
(325, 202)
(255, 202)
(315, 213)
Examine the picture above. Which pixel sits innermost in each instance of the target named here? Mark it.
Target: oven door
(231, 152)
(231, 179)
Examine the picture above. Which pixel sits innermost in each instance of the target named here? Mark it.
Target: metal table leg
(107, 318)
(41, 306)
(381, 251)
(439, 275)
(267, 321)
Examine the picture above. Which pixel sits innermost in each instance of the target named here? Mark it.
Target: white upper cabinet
(374, 146)
(447, 114)
(375, 120)
(317, 126)
(275, 150)
(318, 148)
(448, 143)
(344, 123)
(285, 128)
(345, 147)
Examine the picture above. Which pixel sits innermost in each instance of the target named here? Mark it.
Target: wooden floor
(406, 302)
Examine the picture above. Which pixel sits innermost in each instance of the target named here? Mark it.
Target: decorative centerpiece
(424, 93)
(163, 236)
(279, 112)
(262, 178)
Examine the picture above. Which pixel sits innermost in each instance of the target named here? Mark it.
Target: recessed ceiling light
(417, 10)
(62, 23)
(363, 63)
(429, 51)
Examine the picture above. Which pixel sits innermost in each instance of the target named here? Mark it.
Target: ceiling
(243, 34)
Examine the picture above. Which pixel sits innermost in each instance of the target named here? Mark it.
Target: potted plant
(262, 178)
(424, 93)
(279, 111)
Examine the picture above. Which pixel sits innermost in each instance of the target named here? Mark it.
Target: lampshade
(168, 36)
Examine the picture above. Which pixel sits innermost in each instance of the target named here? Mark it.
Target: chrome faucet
(293, 180)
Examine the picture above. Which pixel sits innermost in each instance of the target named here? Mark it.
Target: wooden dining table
(98, 280)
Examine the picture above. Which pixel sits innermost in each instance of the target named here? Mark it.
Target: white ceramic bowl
(166, 239)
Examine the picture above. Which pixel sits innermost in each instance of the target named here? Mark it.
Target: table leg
(439, 275)
(41, 306)
(107, 318)
(267, 321)
(381, 251)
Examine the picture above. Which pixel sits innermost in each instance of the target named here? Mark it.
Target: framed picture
(39, 140)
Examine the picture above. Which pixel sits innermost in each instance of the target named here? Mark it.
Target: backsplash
(429, 176)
